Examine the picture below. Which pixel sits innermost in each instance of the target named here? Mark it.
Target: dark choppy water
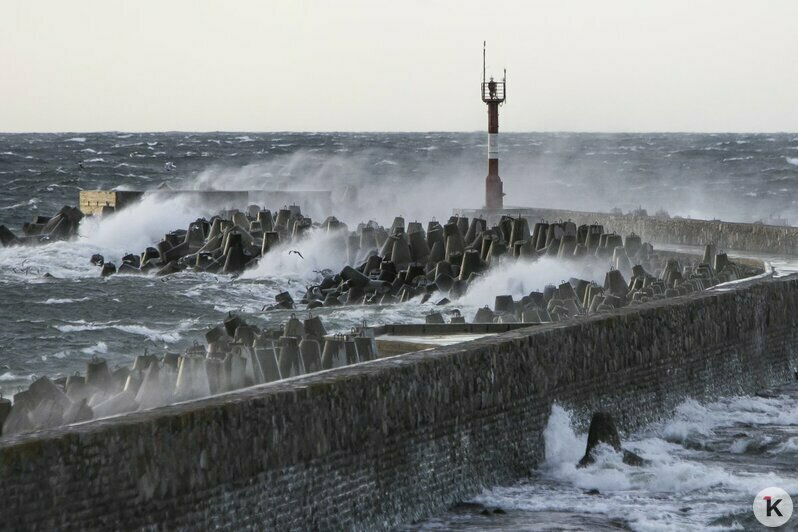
(52, 327)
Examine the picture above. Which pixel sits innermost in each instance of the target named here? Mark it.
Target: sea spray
(303, 259)
(135, 227)
(361, 188)
(140, 224)
(519, 278)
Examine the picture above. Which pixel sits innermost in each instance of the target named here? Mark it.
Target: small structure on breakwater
(317, 202)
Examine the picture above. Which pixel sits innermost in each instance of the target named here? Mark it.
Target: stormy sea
(705, 463)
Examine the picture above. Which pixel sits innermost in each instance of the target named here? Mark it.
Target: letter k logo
(772, 506)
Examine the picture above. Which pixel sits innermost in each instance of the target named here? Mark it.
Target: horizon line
(330, 131)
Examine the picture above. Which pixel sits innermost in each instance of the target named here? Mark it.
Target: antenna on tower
(484, 44)
(504, 82)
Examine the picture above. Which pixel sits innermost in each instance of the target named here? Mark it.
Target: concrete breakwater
(393, 440)
(402, 263)
(241, 355)
(760, 238)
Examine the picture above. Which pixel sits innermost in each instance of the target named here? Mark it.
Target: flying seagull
(297, 252)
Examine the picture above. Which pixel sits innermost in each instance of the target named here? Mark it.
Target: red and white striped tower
(493, 93)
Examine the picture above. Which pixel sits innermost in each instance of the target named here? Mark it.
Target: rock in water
(603, 430)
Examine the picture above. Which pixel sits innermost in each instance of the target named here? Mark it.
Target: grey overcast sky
(351, 65)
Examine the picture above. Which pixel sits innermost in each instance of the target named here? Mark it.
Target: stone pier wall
(768, 239)
(395, 440)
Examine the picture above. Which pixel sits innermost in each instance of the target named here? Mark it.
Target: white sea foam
(99, 347)
(14, 206)
(788, 447)
(792, 160)
(64, 301)
(76, 139)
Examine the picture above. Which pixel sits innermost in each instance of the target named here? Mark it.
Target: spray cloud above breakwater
(519, 278)
(728, 176)
(366, 185)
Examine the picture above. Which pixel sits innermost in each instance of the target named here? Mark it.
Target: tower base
(494, 194)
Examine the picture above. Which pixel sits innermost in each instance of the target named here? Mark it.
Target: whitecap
(140, 330)
(788, 447)
(99, 347)
(63, 301)
(76, 139)
(10, 377)
(14, 206)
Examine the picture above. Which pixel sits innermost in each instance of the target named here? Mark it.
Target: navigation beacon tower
(494, 94)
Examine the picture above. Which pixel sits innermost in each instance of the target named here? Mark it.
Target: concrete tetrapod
(602, 431)
(291, 364)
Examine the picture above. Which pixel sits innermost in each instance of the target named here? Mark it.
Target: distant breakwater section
(760, 238)
(394, 440)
